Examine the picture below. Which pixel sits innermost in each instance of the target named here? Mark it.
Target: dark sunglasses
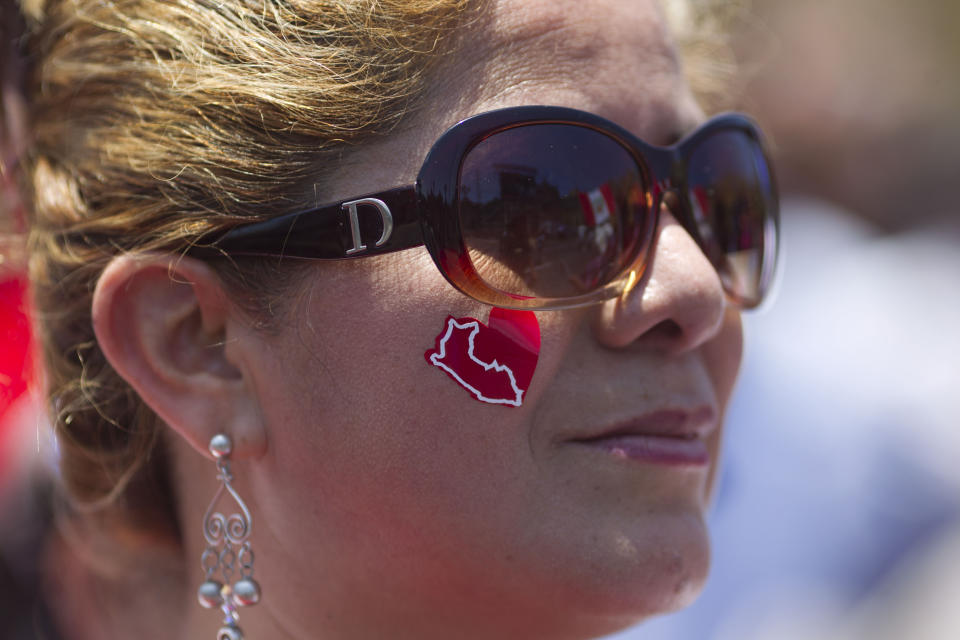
(547, 207)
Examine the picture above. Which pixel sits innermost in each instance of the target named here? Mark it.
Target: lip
(669, 437)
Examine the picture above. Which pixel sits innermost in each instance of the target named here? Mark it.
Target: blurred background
(837, 516)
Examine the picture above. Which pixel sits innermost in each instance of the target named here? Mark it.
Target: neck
(132, 594)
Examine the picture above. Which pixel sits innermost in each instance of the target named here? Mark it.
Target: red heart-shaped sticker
(494, 361)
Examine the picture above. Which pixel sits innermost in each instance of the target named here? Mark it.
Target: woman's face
(387, 489)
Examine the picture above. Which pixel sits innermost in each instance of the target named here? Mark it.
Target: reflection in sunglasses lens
(730, 193)
(550, 210)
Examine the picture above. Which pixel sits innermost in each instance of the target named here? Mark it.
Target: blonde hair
(702, 29)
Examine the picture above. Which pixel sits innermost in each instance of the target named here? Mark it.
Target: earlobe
(163, 322)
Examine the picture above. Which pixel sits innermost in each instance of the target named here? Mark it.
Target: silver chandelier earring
(228, 550)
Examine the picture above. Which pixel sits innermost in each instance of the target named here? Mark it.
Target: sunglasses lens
(734, 204)
(550, 210)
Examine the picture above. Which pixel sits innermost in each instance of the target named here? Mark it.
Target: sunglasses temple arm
(367, 225)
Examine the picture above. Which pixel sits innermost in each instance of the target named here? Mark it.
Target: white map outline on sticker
(437, 357)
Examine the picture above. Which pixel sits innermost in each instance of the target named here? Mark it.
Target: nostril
(668, 330)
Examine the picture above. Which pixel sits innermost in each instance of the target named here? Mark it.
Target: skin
(386, 501)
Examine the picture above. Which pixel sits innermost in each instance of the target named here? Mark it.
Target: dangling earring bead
(227, 546)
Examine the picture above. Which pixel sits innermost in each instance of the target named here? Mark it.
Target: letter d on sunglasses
(541, 207)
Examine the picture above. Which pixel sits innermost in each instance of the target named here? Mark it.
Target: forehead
(614, 58)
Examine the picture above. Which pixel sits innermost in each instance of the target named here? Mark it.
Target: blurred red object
(16, 358)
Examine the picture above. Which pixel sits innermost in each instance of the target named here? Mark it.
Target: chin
(615, 574)
(633, 572)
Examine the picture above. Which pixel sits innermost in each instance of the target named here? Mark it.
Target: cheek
(722, 356)
(359, 416)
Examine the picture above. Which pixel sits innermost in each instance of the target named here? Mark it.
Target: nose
(677, 305)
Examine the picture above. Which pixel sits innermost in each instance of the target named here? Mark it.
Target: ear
(167, 327)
